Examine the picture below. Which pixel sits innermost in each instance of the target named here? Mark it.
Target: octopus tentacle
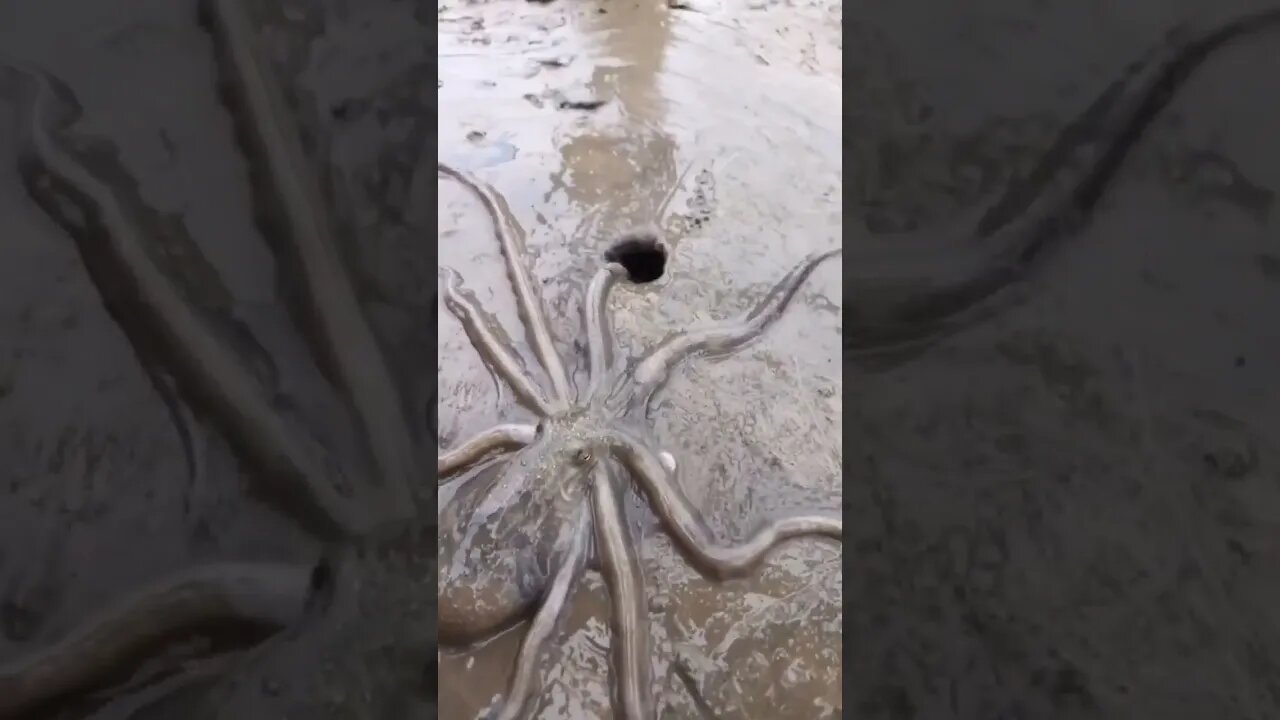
(654, 369)
(269, 595)
(107, 222)
(345, 338)
(545, 622)
(495, 439)
(493, 350)
(527, 299)
(596, 319)
(912, 291)
(620, 565)
(686, 524)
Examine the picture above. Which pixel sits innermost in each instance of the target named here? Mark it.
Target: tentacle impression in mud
(511, 531)
(904, 292)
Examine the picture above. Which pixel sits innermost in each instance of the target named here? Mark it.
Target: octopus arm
(653, 369)
(342, 332)
(530, 305)
(269, 595)
(546, 621)
(620, 564)
(686, 524)
(596, 319)
(107, 223)
(496, 439)
(496, 352)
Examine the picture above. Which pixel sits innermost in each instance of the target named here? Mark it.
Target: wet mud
(719, 123)
(1068, 509)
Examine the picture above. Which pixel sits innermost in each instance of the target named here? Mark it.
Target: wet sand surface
(585, 117)
(1071, 510)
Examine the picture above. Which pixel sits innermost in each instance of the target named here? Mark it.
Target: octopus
(354, 633)
(520, 537)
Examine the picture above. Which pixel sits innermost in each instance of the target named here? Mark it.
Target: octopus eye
(582, 456)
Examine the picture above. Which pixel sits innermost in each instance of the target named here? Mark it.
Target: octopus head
(571, 444)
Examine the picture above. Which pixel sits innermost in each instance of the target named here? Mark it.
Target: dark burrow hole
(643, 256)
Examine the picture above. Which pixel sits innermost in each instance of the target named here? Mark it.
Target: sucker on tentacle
(527, 299)
(907, 291)
(268, 595)
(107, 226)
(345, 338)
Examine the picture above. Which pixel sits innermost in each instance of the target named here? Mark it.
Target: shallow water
(733, 109)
